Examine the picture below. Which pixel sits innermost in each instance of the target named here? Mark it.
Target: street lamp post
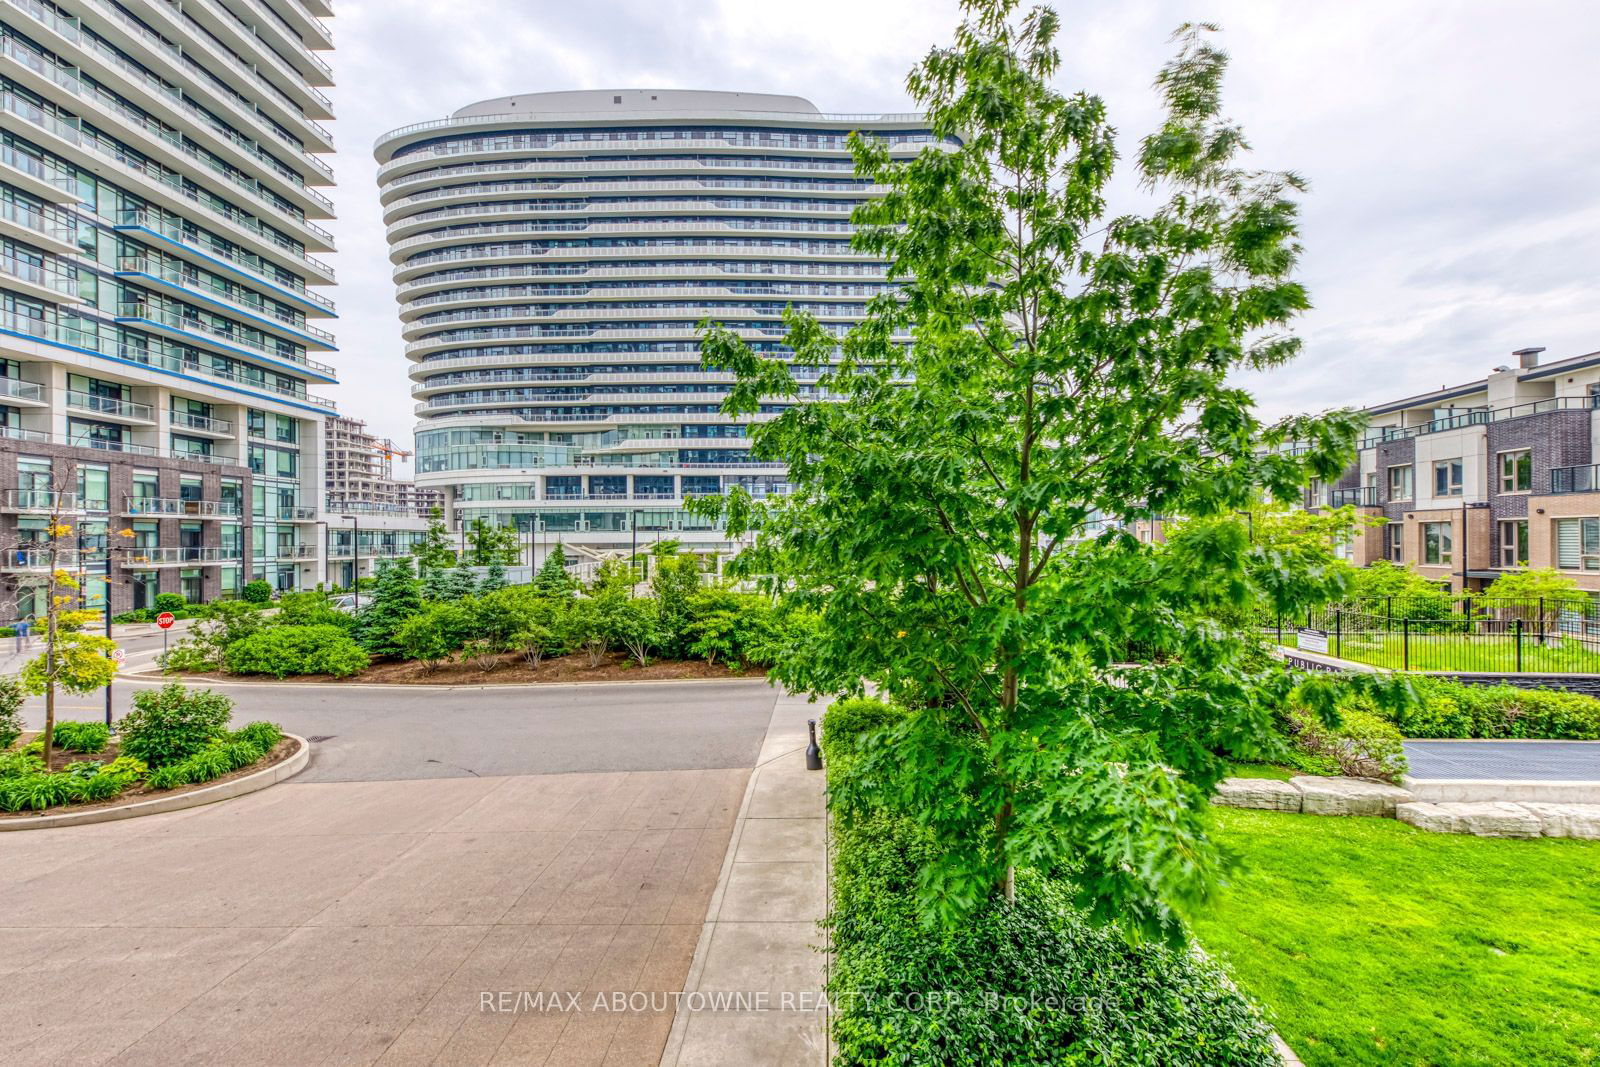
(355, 554)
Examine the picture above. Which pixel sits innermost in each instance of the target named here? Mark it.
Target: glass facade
(554, 268)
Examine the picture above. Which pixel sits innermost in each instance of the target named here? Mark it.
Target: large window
(1578, 544)
(1447, 477)
(1514, 543)
(1400, 482)
(1516, 471)
(1436, 544)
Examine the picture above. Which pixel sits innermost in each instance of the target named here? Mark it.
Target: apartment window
(1394, 542)
(146, 485)
(1516, 471)
(1436, 543)
(1578, 544)
(1514, 543)
(190, 585)
(1400, 482)
(1447, 477)
(94, 487)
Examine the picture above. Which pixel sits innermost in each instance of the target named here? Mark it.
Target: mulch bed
(511, 669)
(134, 793)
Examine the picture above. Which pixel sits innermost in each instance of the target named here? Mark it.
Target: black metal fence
(1445, 633)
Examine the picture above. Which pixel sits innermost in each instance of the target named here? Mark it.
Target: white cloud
(1453, 214)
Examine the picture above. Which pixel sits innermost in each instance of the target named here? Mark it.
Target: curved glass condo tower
(554, 254)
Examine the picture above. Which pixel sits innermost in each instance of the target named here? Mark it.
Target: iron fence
(1446, 633)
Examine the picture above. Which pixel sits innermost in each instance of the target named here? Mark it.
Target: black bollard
(813, 753)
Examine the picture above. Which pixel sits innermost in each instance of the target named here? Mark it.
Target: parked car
(344, 602)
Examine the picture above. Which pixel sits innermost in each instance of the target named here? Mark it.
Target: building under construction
(360, 471)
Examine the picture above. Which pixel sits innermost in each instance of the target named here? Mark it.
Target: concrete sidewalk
(761, 949)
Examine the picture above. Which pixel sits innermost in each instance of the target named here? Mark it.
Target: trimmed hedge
(1449, 709)
(1029, 983)
(284, 650)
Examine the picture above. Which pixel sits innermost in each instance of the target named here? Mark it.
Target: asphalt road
(1550, 761)
(380, 733)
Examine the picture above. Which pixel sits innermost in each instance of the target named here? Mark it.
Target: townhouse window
(1447, 477)
(1516, 471)
(1394, 542)
(1400, 482)
(1578, 544)
(1437, 546)
(1514, 543)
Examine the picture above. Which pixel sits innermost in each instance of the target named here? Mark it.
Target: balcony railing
(176, 320)
(297, 552)
(1364, 496)
(201, 422)
(1481, 417)
(38, 274)
(176, 506)
(175, 232)
(17, 389)
(1583, 479)
(177, 554)
(187, 277)
(296, 513)
(48, 500)
(105, 405)
(37, 559)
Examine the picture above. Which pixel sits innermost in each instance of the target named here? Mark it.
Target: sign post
(165, 621)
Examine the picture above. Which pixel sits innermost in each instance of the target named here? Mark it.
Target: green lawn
(1371, 942)
(1261, 770)
(1460, 652)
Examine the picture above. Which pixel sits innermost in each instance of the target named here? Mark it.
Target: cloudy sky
(1451, 147)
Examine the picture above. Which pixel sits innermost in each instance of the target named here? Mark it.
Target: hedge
(284, 650)
(1033, 982)
(1455, 710)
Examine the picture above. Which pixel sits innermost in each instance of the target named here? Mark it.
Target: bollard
(813, 753)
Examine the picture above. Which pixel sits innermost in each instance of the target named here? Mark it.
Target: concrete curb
(1467, 790)
(236, 787)
(213, 683)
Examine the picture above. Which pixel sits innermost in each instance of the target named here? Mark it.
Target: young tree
(489, 544)
(459, 581)
(397, 597)
(674, 582)
(494, 578)
(433, 552)
(553, 578)
(436, 583)
(1042, 365)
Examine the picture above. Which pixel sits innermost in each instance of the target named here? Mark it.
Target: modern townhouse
(555, 254)
(1485, 477)
(160, 180)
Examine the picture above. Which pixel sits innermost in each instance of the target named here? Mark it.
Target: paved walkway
(1562, 761)
(754, 993)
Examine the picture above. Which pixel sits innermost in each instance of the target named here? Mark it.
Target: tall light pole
(355, 554)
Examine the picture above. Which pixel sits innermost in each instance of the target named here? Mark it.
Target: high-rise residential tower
(554, 255)
(159, 204)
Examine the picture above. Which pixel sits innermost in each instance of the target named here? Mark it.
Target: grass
(1460, 652)
(1261, 770)
(1371, 942)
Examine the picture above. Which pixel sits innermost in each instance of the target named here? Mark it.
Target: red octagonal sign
(166, 619)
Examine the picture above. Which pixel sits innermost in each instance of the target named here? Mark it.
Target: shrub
(256, 592)
(1364, 746)
(633, 624)
(553, 579)
(88, 737)
(284, 650)
(170, 602)
(35, 792)
(434, 634)
(136, 615)
(172, 723)
(20, 764)
(1453, 709)
(1082, 992)
(264, 735)
(210, 763)
(674, 583)
(583, 629)
(11, 697)
(311, 609)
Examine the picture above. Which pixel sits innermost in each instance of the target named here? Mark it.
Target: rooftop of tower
(593, 100)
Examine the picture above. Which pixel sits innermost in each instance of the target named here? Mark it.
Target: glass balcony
(105, 405)
(178, 507)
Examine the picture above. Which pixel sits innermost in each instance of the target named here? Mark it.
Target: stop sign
(166, 619)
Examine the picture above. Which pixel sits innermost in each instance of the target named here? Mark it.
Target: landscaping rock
(1483, 818)
(1567, 820)
(1348, 796)
(1266, 794)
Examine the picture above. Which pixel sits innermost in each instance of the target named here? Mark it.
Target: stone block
(1348, 796)
(1483, 818)
(1567, 820)
(1264, 793)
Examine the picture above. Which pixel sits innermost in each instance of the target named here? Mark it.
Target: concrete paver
(362, 922)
